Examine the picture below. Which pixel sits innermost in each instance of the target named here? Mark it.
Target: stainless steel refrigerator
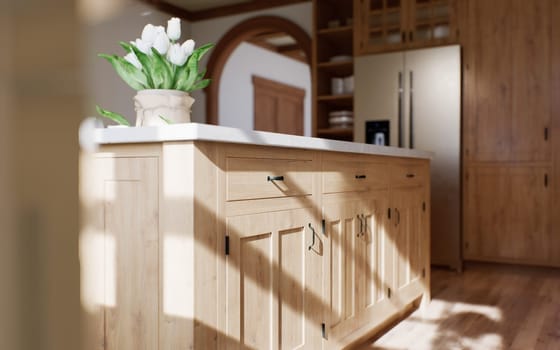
(419, 93)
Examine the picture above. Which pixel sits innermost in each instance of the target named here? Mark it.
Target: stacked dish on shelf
(341, 119)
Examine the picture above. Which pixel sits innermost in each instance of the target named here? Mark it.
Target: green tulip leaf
(117, 118)
(145, 61)
(165, 119)
(131, 75)
(162, 71)
(201, 84)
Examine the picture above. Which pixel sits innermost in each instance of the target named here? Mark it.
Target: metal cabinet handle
(360, 176)
(397, 217)
(365, 226)
(361, 225)
(411, 112)
(312, 237)
(410, 175)
(275, 178)
(400, 109)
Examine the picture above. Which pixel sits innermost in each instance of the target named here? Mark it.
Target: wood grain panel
(341, 227)
(278, 107)
(247, 178)
(256, 278)
(292, 263)
(372, 277)
(508, 214)
(530, 76)
(270, 286)
(491, 46)
(265, 112)
(131, 236)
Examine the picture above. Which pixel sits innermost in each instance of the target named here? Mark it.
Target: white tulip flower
(161, 44)
(149, 34)
(174, 28)
(131, 58)
(143, 46)
(177, 55)
(188, 47)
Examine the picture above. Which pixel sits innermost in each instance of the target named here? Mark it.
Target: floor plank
(486, 307)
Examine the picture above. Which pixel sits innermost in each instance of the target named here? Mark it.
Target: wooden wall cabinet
(510, 125)
(391, 25)
(210, 245)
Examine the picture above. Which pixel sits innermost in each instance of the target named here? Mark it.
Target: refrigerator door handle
(400, 109)
(411, 111)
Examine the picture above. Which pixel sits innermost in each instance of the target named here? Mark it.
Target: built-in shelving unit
(333, 34)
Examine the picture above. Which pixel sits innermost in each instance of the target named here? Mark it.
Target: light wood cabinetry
(333, 32)
(506, 72)
(508, 214)
(269, 272)
(210, 245)
(374, 261)
(391, 25)
(509, 137)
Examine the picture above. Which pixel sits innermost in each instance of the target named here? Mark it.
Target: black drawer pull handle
(275, 178)
(410, 175)
(360, 176)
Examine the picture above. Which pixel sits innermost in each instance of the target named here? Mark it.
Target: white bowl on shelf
(341, 119)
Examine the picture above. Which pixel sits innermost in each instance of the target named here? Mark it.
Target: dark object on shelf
(377, 132)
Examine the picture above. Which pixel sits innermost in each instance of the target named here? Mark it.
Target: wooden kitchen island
(207, 237)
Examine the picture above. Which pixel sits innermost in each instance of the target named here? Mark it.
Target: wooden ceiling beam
(288, 48)
(228, 10)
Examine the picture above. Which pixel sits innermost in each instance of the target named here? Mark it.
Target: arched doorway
(243, 32)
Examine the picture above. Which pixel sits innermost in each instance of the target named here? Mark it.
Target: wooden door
(408, 236)
(273, 281)
(123, 243)
(342, 229)
(508, 214)
(278, 107)
(373, 268)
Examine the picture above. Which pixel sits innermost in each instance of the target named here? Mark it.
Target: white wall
(236, 88)
(213, 29)
(103, 86)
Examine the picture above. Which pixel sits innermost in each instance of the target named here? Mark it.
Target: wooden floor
(485, 307)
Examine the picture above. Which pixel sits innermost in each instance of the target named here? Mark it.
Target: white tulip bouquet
(157, 60)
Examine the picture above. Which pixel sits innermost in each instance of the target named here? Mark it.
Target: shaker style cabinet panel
(269, 272)
(343, 228)
(391, 25)
(128, 243)
(407, 236)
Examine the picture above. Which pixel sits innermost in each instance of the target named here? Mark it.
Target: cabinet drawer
(409, 174)
(352, 176)
(257, 178)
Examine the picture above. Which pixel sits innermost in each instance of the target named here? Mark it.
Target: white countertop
(206, 132)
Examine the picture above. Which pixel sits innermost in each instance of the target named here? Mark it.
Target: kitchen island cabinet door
(342, 229)
(273, 281)
(120, 253)
(374, 269)
(407, 236)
